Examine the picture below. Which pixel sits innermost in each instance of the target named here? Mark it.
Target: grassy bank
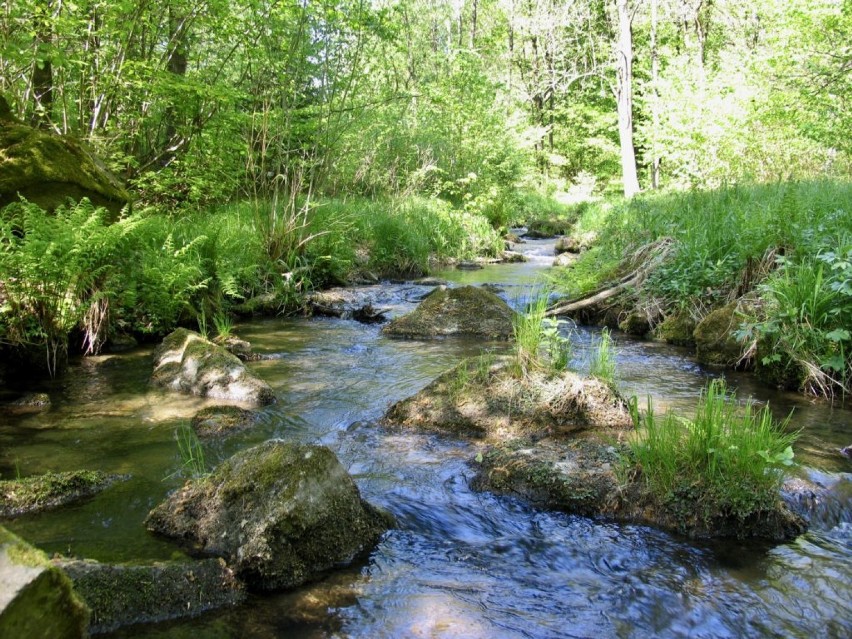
(786, 249)
(71, 279)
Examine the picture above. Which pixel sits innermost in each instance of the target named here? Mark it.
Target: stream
(460, 563)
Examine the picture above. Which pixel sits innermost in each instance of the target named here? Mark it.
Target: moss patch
(47, 169)
(677, 329)
(51, 490)
(119, 595)
(714, 337)
(37, 600)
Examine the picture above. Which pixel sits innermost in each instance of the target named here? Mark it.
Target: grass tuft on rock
(726, 462)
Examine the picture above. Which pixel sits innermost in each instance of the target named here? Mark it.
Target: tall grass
(728, 460)
(602, 363)
(539, 343)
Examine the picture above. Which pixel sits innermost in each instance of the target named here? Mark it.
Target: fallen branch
(651, 256)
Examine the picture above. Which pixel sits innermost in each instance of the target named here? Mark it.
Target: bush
(724, 462)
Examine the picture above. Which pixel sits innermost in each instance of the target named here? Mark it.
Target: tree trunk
(42, 77)
(624, 99)
(655, 99)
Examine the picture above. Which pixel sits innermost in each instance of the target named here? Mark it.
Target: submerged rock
(188, 363)
(36, 598)
(29, 403)
(120, 595)
(459, 311)
(579, 477)
(281, 514)
(216, 421)
(483, 400)
(51, 490)
(47, 169)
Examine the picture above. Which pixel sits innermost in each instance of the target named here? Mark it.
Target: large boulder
(47, 169)
(188, 363)
(459, 311)
(37, 600)
(280, 514)
(51, 490)
(493, 401)
(124, 594)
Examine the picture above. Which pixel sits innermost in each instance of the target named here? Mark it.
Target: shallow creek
(460, 564)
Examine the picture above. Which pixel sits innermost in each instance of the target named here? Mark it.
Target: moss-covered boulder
(238, 347)
(27, 403)
(188, 363)
(497, 402)
(580, 477)
(51, 490)
(714, 337)
(281, 514)
(120, 594)
(37, 600)
(47, 169)
(458, 311)
(677, 328)
(216, 421)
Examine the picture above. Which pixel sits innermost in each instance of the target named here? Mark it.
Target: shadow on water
(459, 564)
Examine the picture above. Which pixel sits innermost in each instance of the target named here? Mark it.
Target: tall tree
(624, 98)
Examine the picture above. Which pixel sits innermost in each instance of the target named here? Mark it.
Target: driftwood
(649, 257)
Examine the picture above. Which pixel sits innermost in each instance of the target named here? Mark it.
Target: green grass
(191, 452)
(791, 243)
(602, 363)
(728, 459)
(538, 342)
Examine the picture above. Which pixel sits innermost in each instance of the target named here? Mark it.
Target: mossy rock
(51, 490)
(575, 477)
(27, 403)
(215, 421)
(635, 323)
(468, 310)
(188, 363)
(714, 337)
(37, 600)
(47, 169)
(265, 304)
(497, 402)
(775, 367)
(120, 595)
(281, 514)
(677, 328)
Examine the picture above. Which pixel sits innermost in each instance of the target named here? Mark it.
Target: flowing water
(460, 564)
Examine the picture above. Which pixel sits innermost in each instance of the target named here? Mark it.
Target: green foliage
(727, 461)
(59, 273)
(224, 325)
(538, 341)
(602, 363)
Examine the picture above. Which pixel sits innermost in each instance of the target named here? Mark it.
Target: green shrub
(728, 460)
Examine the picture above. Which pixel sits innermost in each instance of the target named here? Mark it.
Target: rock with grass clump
(216, 421)
(36, 599)
(47, 169)
(188, 363)
(580, 477)
(281, 514)
(459, 311)
(714, 337)
(495, 402)
(51, 490)
(123, 594)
